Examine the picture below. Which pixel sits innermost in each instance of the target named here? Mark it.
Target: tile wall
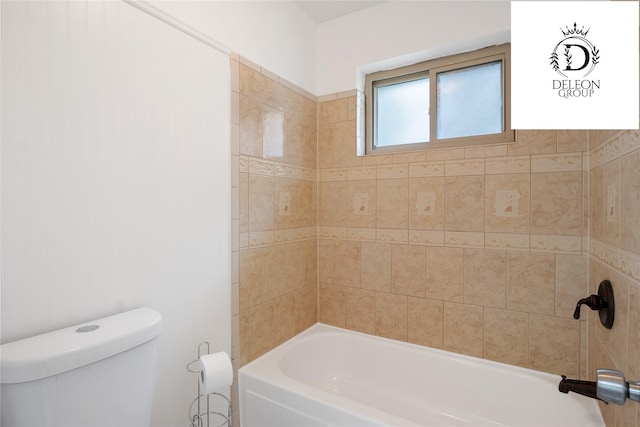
(479, 250)
(614, 187)
(274, 211)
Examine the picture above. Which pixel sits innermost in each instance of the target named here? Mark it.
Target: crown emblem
(574, 31)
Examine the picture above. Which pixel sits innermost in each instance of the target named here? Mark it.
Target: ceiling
(324, 10)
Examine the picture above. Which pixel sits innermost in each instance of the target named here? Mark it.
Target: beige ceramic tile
(426, 203)
(486, 151)
(425, 321)
(633, 352)
(361, 310)
(615, 340)
(334, 111)
(250, 142)
(464, 167)
(505, 165)
(566, 162)
(534, 142)
(572, 141)
(361, 208)
(597, 137)
(286, 317)
(392, 203)
(344, 144)
(262, 329)
(375, 264)
(449, 154)
(243, 202)
(531, 284)
(630, 202)
(463, 329)
(597, 203)
(464, 203)
(414, 157)
(507, 208)
(572, 277)
(426, 170)
(273, 133)
(392, 171)
(445, 274)
(325, 261)
(332, 204)
(305, 205)
(280, 270)
(391, 316)
(250, 278)
(346, 263)
(485, 277)
(554, 345)
(326, 150)
(261, 202)
(408, 270)
(506, 336)
(332, 305)
(284, 191)
(556, 203)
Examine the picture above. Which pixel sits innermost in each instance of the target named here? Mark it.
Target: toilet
(99, 373)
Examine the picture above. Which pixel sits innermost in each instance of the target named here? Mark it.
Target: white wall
(115, 180)
(277, 35)
(410, 30)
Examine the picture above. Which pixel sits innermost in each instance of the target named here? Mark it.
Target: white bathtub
(328, 376)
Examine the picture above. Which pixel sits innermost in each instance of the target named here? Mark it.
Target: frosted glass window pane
(402, 113)
(470, 101)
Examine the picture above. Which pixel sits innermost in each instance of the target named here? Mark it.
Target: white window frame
(431, 69)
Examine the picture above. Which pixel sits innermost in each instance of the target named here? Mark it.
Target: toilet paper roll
(216, 372)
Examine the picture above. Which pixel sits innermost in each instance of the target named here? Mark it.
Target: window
(447, 102)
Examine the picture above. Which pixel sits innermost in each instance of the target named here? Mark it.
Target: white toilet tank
(99, 373)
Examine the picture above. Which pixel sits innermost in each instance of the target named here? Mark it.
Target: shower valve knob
(603, 303)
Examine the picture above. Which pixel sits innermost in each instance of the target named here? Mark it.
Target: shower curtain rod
(152, 10)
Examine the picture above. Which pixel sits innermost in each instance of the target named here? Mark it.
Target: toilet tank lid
(59, 351)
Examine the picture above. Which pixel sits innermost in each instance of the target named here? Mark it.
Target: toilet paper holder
(201, 412)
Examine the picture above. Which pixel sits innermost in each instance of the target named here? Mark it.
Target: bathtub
(328, 376)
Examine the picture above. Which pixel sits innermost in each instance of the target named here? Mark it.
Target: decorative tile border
(332, 232)
(259, 166)
(362, 234)
(464, 239)
(556, 244)
(618, 145)
(625, 263)
(426, 237)
(508, 241)
(259, 239)
(392, 236)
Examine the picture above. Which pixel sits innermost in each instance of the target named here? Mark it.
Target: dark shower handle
(594, 302)
(603, 303)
